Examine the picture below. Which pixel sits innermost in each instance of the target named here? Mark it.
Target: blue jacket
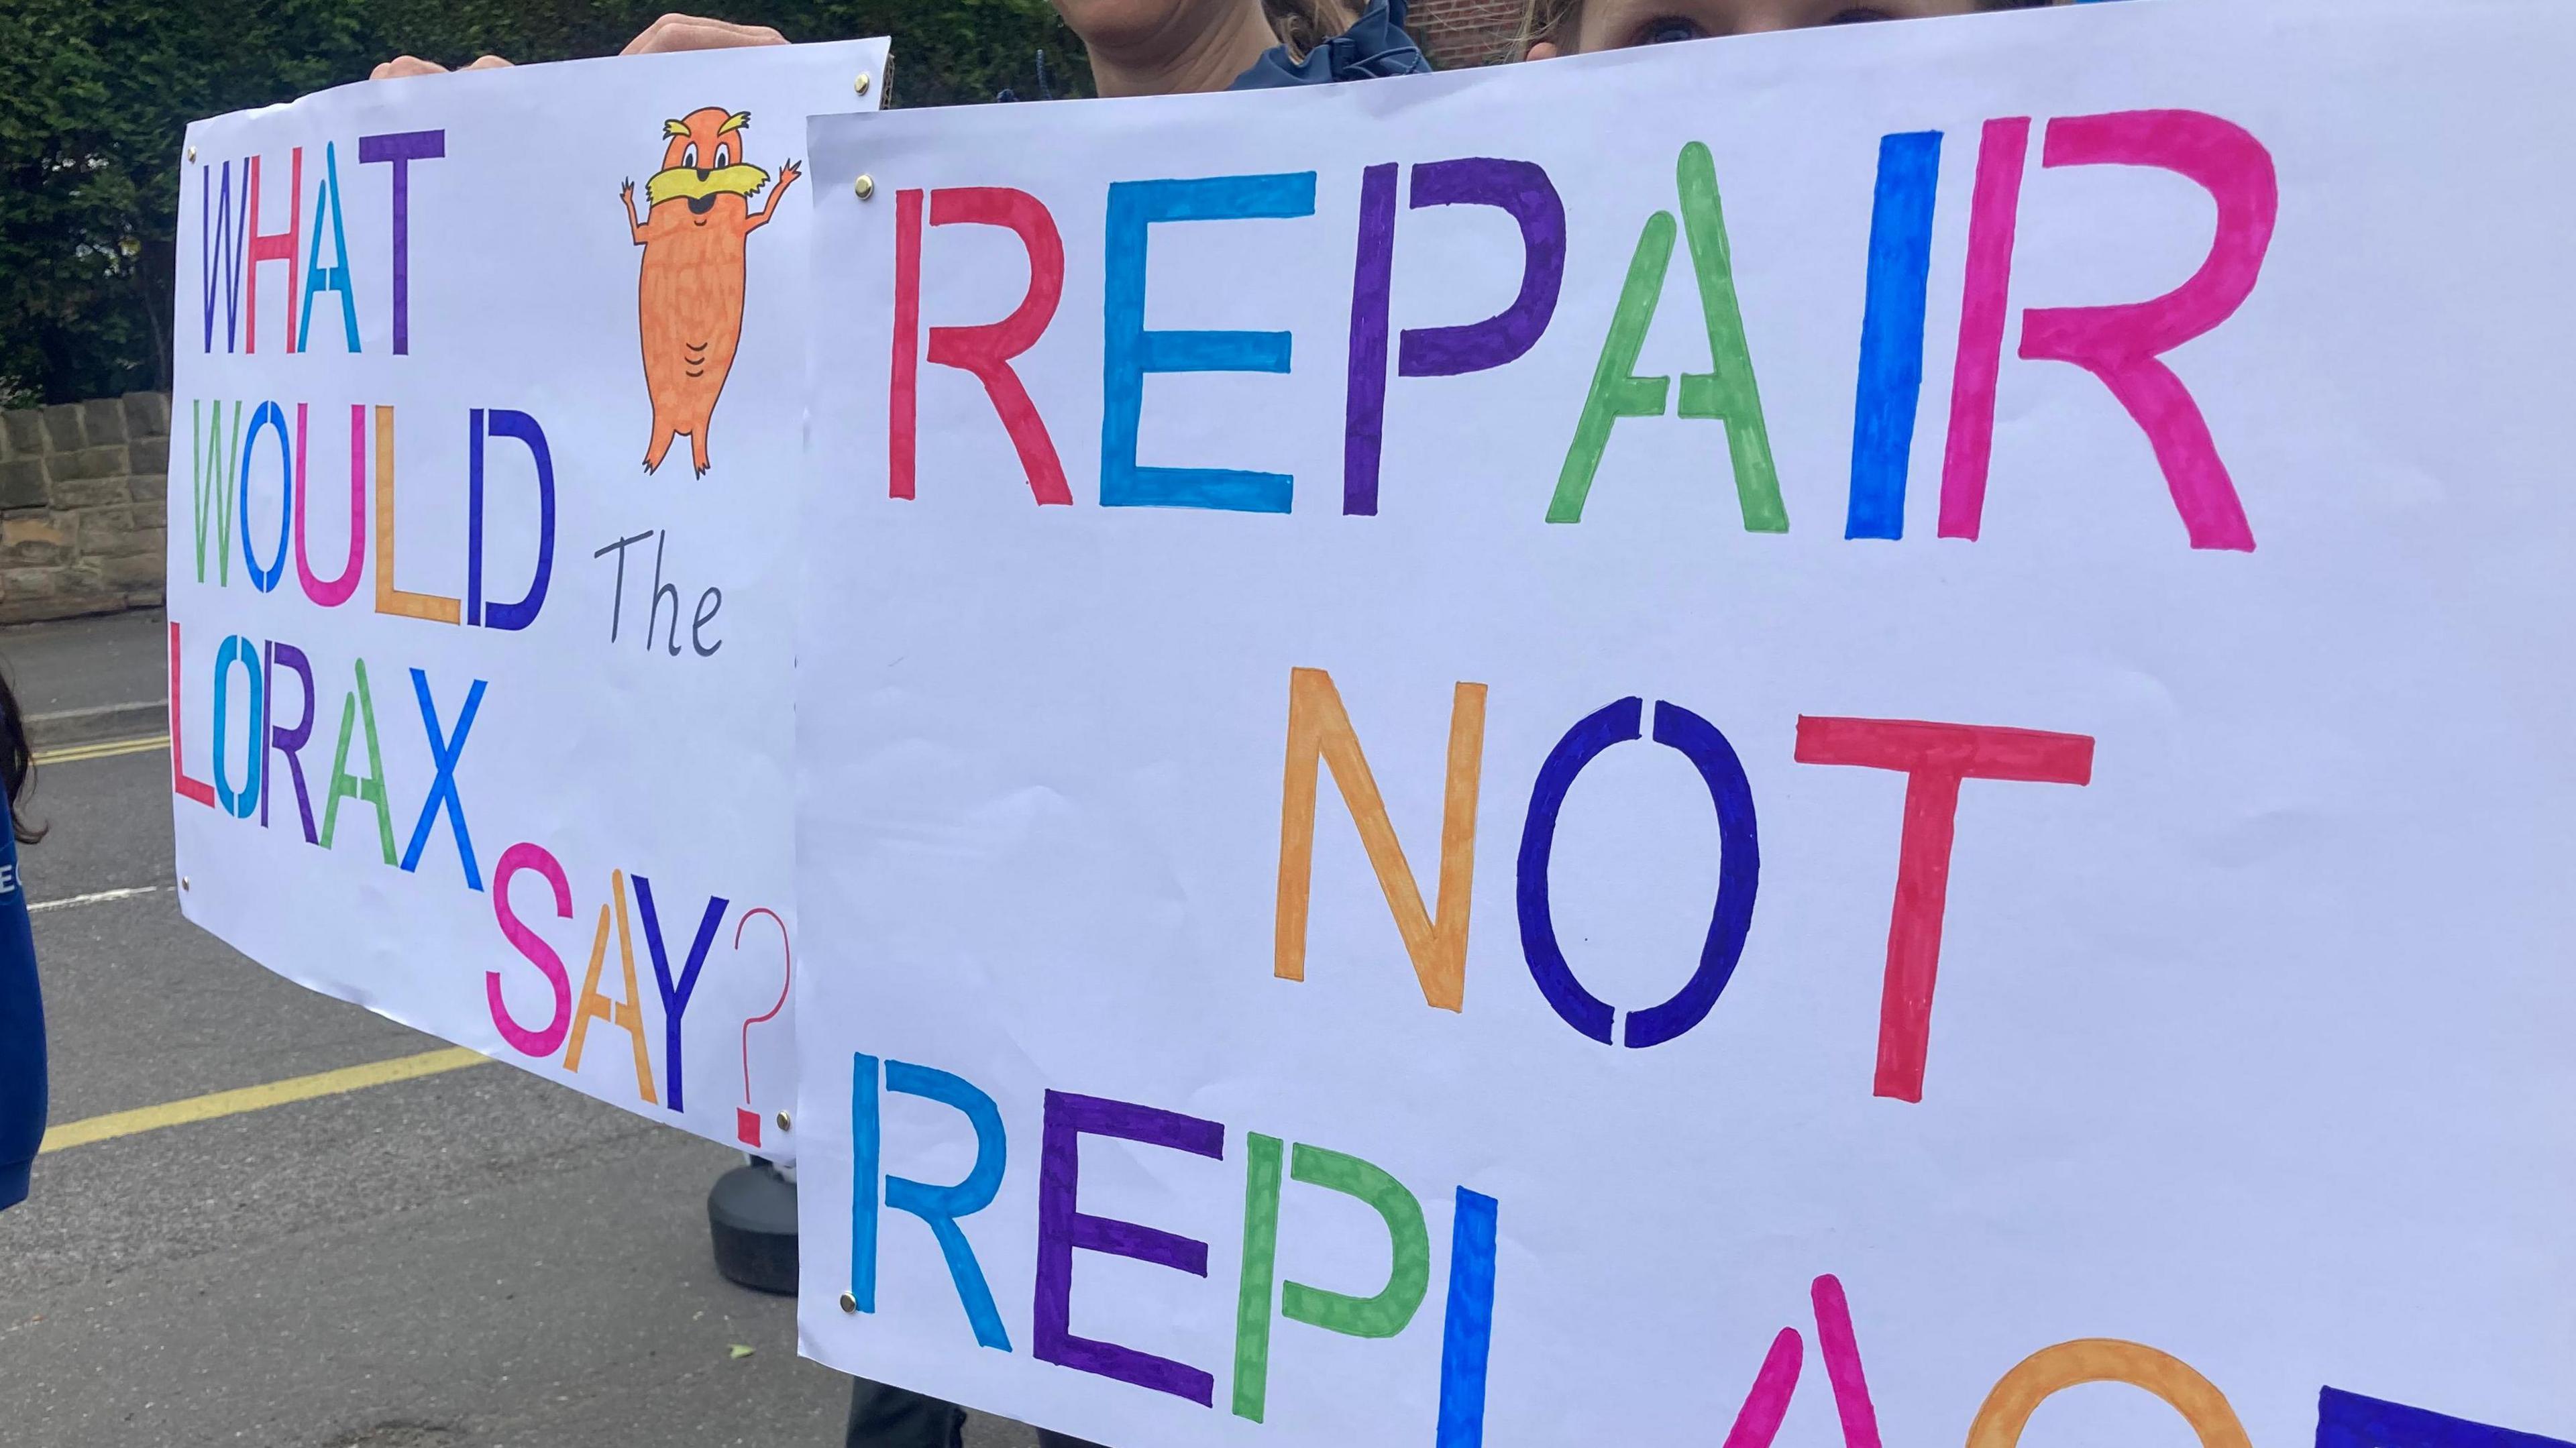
(1375, 46)
(22, 1030)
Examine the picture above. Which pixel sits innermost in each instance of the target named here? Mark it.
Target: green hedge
(95, 95)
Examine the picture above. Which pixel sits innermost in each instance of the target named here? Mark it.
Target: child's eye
(1859, 15)
(1668, 30)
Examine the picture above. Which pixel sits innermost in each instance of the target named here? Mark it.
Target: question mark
(746, 1121)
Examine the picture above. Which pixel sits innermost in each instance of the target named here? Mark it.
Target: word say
(567, 1025)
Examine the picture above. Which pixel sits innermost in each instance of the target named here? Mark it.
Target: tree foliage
(96, 95)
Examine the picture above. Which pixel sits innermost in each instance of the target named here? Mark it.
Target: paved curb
(107, 721)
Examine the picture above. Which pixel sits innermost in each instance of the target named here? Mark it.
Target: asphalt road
(476, 1257)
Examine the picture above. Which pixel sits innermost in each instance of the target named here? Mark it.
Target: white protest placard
(486, 436)
(1409, 689)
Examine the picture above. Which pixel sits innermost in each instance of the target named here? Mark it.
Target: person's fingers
(691, 32)
(406, 65)
(489, 62)
(719, 35)
(1543, 50)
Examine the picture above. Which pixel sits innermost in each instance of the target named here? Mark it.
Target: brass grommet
(865, 186)
(861, 84)
(849, 1303)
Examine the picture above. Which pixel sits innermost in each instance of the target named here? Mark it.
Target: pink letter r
(2123, 345)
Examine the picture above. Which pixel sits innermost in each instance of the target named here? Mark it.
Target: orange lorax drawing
(696, 228)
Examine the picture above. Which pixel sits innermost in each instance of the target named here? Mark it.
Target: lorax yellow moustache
(681, 183)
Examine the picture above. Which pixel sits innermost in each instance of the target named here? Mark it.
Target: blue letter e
(1128, 351)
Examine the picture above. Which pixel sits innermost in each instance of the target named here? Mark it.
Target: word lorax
(699, 222)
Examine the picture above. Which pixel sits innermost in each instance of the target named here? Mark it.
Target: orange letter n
(1319, 732)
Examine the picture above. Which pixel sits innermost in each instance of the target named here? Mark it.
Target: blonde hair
(1542, 20)
(1302, 25)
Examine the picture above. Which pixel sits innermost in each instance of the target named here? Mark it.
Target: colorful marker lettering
(541, 1042)
(1129, 351)
(1319, 733)
(1063, 1229)
(986, 351)
(289, 740)
(939, 1207)
(1739, 872)
(265, 246)
(1934, 758)
(335, 277)
(399, 149)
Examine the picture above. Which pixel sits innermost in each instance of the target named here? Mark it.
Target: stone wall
(81, 506)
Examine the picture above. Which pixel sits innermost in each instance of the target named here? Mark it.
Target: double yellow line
(104, 749)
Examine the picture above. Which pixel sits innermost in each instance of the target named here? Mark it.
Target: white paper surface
(633, 739)
(2251, 1050)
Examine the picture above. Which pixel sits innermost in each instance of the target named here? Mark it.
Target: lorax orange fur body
(695, 233)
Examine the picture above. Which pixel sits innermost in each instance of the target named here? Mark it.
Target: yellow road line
(259, 1098)
(105, 749)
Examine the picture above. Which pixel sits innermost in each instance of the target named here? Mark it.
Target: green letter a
(359, 705)
(1725, 393)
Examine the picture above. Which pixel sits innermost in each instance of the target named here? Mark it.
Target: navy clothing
(1374, 46)
(22, 1030)
(884, 1417)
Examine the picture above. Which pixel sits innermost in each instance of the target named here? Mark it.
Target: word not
(233, 242)
(226, 463)
(1934, 758)
(708, 602)
(1063, 1228)
(259, 666)
(2122, 345)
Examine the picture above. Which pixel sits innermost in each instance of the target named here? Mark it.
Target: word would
(2122, 345)
(1063, 1228)
(226, 463)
